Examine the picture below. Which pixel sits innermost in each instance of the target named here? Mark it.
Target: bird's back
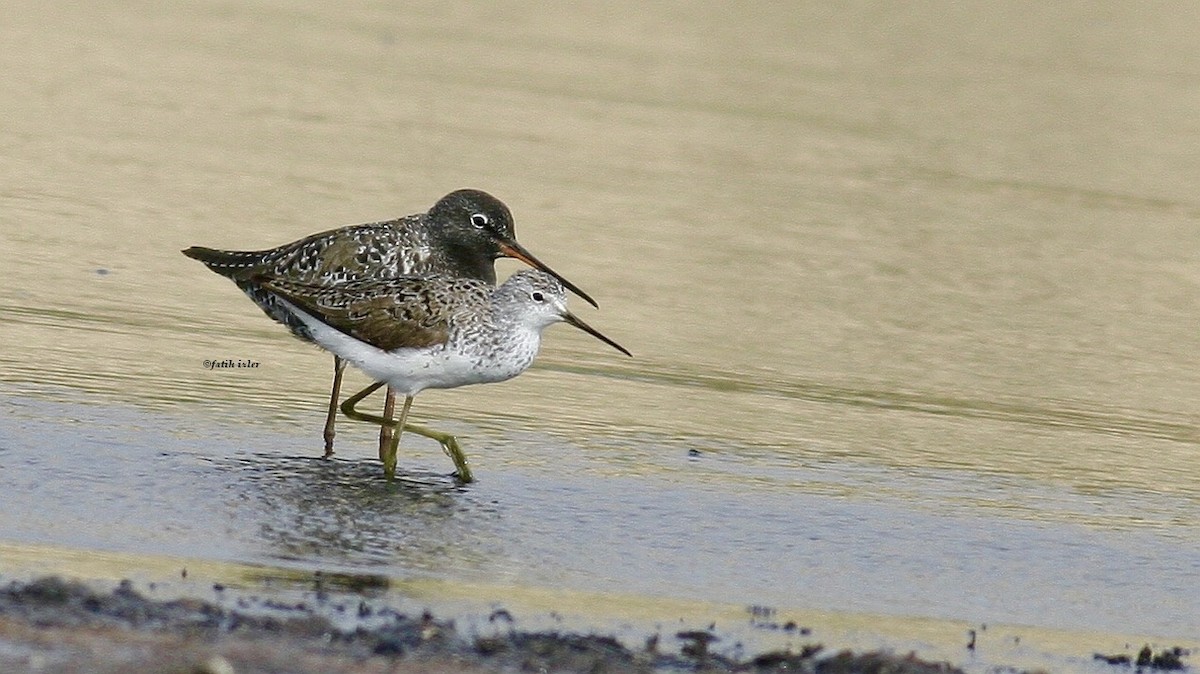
(376, 250)
(380, 250)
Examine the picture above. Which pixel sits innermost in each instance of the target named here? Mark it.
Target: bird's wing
(405, 312)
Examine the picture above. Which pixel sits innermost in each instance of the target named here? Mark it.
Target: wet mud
(51, 625)
(54, 625)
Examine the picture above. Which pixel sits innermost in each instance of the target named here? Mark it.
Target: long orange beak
(517, 251)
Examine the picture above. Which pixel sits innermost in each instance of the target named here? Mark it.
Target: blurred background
(912, 291)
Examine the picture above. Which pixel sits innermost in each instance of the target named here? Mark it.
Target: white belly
(410, 371)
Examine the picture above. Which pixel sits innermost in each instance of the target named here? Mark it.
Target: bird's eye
(479, 220)
(537, 297)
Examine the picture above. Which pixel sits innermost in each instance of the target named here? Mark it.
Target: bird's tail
(234, 264)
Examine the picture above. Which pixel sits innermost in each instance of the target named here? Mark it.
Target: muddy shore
(53, 625)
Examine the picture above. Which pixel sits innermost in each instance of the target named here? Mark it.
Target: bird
(462, 235)
(415, 333)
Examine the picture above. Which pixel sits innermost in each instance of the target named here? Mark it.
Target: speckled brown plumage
(460, 237)
(432, 331)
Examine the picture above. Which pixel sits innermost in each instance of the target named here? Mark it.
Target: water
(918, 284)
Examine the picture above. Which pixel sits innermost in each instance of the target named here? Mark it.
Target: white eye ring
(479, 220)
(537, 296)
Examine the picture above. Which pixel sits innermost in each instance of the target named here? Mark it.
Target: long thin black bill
(570, 318)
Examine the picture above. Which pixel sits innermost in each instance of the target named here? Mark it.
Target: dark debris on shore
(205, 638)
(1166, 660)
(54, 625)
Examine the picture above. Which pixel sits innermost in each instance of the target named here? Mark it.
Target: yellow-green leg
(448, 442)
(388, 455)
(388, 432)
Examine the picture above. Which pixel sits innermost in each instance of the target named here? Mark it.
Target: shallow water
(918, 285)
